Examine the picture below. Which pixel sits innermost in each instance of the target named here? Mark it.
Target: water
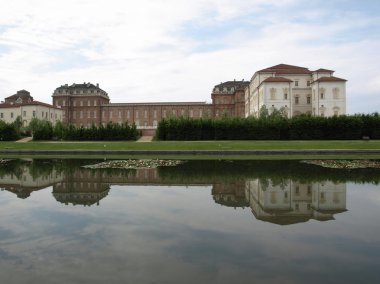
(199, 222)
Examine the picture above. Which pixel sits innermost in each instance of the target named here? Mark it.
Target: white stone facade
(297, 90)
(22, 105)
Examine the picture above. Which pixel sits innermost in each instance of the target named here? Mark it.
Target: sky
(177, 50)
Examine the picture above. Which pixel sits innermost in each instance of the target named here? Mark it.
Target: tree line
(271, 127)
(44, 130)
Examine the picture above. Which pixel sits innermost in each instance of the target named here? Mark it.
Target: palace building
(296, 90)
(24, 106)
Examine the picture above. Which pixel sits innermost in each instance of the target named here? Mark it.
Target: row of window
(24, 114)
(78, 103)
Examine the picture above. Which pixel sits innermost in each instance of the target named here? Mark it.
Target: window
(297, 100)
(308, 100)
(1, 115)
(128, 114)
(64, 103)
(110, 114)
(24, 113)
(308, 83)
(81, 103)
(322, 96)
(336, 93)
(81, 114)
(285, 96)
(75, 103)
(137, 114)
(88, 114)
(155, 114)
(200, 113)
(88, 103)
(191, 113)
(145, 113)
(95, 103)
(296, 83)
(74, 114)
(272, 93)
(119, 114)
(94, 113)
(42, 114)
(11, 114)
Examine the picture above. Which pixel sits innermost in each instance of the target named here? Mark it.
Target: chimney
(97, 85)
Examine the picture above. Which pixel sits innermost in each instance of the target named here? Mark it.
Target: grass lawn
(194, 145)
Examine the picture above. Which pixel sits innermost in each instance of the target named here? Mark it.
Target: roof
(21, 93)
(233, 84)
(157, 104)
(324, 70)
(79, 86)
(32, 103)
(330, 79)
(286, 69)
(277, 80)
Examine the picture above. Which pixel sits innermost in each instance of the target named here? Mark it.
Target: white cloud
(146, 51)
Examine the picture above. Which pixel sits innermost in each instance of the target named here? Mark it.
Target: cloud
(178, 50)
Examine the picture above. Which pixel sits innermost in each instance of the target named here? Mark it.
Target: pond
(197, 222)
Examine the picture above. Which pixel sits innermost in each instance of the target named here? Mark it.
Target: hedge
(303, 127)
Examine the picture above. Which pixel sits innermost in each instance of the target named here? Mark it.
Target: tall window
(285, 96)
(155, 113)
(296, 83)
(34, 113)
(1, 115)
(308, 100)
(81, 114)
(308, 83)
(81, 103)
(88, 114)
(24, 113)
(137, 114)
(297, 100)
(322, 95)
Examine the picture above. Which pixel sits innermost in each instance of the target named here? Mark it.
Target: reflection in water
(284, 201)
(162, 226)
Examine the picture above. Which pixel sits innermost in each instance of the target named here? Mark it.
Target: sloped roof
(286, 69)
(324, 70)
(330, 79)
(32, 103)
(235, 84)
(277, 80)
(21, 93)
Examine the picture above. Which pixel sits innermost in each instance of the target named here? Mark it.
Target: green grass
(194, 145)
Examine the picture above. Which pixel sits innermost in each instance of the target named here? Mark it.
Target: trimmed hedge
(301, 127)
(110, 132)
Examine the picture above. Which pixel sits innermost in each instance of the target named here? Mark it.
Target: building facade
(297, 90)
(87, 104)
(24, 106)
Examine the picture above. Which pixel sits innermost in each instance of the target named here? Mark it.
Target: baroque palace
(293, 89)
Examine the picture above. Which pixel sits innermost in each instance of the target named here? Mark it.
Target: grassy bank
(197, 145)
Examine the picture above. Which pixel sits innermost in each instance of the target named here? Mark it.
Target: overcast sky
(177, 50)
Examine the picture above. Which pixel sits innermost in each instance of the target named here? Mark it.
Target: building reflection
(25, 180)
(283, 202)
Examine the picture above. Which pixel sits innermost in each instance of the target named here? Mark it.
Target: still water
(199, 222)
